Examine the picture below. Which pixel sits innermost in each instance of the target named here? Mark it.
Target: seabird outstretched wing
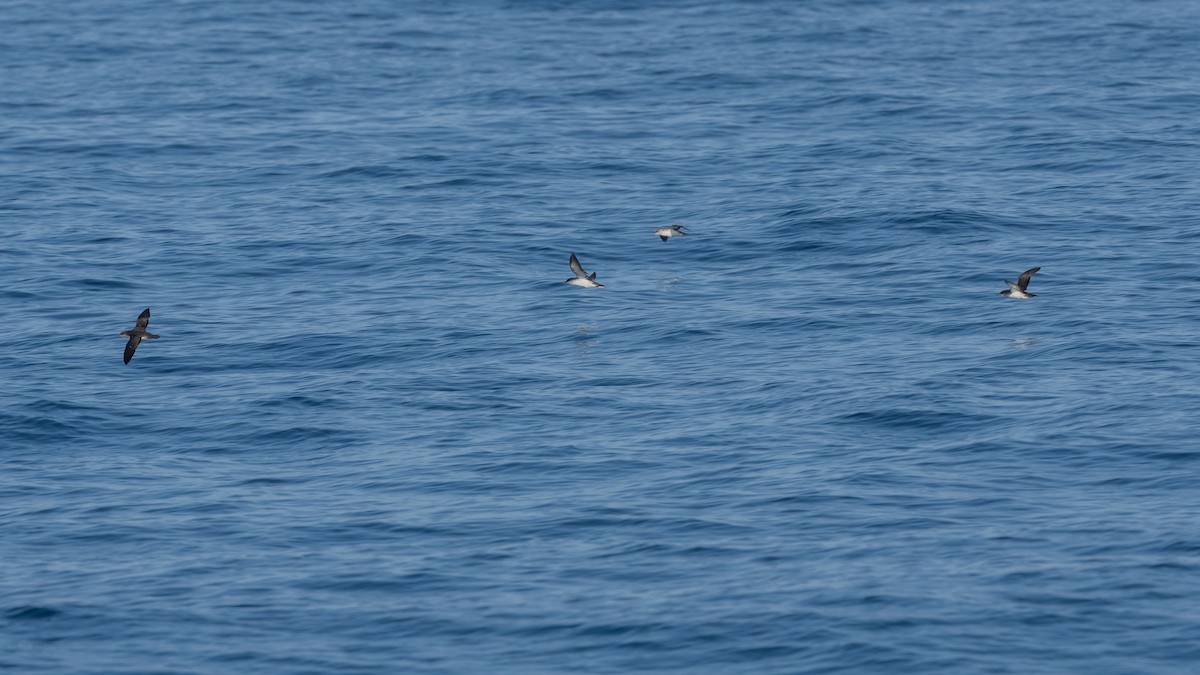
(131, 346)
(577, 268)
(1023, 280)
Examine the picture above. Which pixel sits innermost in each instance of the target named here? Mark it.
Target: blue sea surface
(379, 434)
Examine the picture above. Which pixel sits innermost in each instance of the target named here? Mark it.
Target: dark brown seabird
(136, 334)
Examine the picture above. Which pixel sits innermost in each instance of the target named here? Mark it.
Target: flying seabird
(1017, 290)
(136, 334)
(581, 278)
(673, 231)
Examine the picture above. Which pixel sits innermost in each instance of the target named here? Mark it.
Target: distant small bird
(136, 334)
(673, 231)
(1017, 290)
(581, 278)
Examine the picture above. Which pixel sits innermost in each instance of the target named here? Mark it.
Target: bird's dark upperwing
(131, 346)
(142, 322)
(577, 268)
(1022, 281)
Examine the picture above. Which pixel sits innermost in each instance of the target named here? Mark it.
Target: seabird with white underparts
(1017, 290)
(673, 231)
(581, 278)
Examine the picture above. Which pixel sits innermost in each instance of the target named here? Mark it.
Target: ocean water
(379, 434)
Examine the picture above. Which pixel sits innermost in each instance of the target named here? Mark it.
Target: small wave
(369, 171)
(32, 613)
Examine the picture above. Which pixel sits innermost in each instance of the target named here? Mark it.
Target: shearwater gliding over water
(136, 334)
(581, 278)
(673, 231)
(1017, 290)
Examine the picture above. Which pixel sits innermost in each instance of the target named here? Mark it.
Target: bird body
(581, 278)
(1017, 290)
(666, 233)
(137, 334)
